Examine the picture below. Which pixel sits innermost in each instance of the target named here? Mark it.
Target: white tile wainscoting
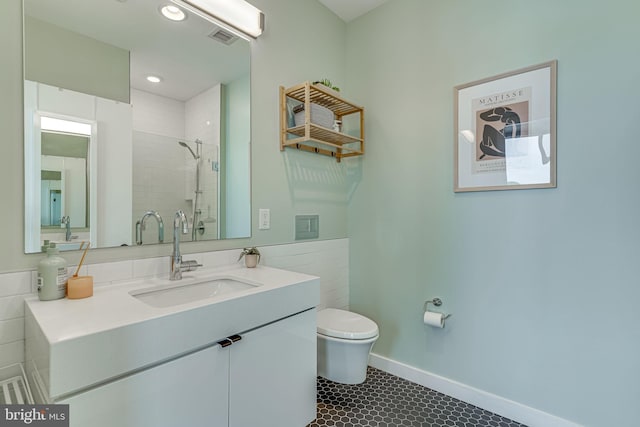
(327, 259)
(13, 288)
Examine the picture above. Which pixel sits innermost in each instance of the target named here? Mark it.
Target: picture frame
(505, 131)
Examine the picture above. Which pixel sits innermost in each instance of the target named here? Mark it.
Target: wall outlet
(264, 219)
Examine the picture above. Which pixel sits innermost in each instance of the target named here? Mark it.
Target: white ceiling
(349, 10)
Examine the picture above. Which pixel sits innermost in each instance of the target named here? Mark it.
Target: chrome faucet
(177, 265)
(66, 221)
(140, 226)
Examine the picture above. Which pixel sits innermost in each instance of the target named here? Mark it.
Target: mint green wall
(303, 41)
(62, 58)
(543, 284)
(284, 55)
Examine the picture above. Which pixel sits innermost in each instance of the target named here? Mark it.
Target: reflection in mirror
(64, 178)
(179, 143)
(179, 175)
(58, 187)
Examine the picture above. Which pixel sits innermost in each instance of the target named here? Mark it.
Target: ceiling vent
(223, 36)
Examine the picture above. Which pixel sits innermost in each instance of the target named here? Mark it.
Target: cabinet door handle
(229, 340)
(225, 342)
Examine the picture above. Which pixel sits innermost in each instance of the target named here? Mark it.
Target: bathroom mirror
(164, 118)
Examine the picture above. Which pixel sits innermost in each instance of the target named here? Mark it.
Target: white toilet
(344, 342)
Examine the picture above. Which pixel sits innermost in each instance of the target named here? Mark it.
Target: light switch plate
(264, 219)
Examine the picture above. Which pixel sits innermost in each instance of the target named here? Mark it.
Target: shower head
(184, 144)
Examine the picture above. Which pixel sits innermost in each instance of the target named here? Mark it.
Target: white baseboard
(490, 402)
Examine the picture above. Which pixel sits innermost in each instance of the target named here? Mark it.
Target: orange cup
(79, 287)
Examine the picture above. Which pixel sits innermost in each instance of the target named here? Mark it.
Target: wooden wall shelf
(312, 137)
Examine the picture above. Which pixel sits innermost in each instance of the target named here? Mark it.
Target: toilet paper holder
(436, 302)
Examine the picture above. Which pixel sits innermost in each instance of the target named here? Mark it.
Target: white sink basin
(168, 296)
(63, 245)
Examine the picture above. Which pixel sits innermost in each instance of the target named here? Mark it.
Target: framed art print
(505, 131)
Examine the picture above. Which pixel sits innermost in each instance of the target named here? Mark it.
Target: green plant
(327, 83)
(249, 251)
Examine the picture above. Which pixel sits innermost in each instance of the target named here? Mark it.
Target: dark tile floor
(389, 401)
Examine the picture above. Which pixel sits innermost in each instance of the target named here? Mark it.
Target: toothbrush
(82, 259)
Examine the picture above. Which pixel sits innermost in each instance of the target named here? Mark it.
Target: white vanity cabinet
(271, 378)
(266, 375)
(189, 391)
(118, 361)
(263, 376)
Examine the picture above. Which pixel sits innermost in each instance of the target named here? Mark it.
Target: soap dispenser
(52, 275)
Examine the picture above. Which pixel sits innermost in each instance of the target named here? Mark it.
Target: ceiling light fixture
(173, 13)
(154, 79)
(53, 124)
(236, 16)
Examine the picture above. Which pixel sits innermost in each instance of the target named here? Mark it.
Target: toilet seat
(343, 324)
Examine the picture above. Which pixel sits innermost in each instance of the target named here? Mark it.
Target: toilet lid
(345, 324)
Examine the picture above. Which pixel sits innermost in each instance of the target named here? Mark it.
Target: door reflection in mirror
(57, 151)
(64, 190)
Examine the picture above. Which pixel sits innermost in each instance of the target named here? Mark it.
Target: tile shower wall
(327, 259)
(159, 172)
(202, 121)
(157, 114)
(158, 181)
(160, 163)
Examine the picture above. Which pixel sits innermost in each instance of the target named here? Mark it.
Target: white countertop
(112, 306)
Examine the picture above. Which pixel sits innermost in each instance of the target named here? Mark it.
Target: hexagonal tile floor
(390, 401)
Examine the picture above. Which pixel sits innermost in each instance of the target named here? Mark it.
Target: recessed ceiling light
(154, 79)
(174, 13)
